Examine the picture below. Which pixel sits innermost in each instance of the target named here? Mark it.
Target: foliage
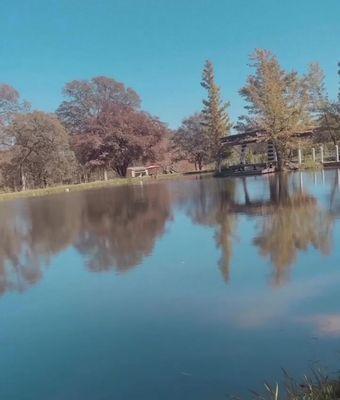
(329, 121)
(41, 154)
(10, 105)
(86, 99)
(327, 112)
(117, 136)
(311, 165)
(215, 116)
(191, 141)
(110, 130)
(278, 103)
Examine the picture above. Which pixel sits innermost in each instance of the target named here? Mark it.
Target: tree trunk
(329, 129)
(23, 179)
(105, 175)
(121, 170)
(279, 156)
(218, 165)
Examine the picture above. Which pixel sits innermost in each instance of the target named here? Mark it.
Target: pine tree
(339, 81)
(215, 116)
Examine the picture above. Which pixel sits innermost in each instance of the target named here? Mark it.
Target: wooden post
(337, 153)
(313, 154)
(321, 154)
(300, 156)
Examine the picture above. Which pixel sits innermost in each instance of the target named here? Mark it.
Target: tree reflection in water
(293, 223)
(209, 205)
(120, 228)
(31, 233)
(290, 220)
(115, 229)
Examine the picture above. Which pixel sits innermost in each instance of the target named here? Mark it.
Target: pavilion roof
(256, 136)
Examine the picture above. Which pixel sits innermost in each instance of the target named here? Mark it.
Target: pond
(193, 288)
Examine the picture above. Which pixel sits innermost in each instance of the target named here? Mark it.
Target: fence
(323, 154)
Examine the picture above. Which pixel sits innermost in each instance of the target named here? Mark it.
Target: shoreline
(4, 196)
(80, 187)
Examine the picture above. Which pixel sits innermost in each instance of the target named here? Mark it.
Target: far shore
(93, 185)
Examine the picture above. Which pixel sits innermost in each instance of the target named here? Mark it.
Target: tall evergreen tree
(339, 81)
(215, 116)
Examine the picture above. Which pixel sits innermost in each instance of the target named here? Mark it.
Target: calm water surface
(189, 289)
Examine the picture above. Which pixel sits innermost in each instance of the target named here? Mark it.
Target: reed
(317, 386)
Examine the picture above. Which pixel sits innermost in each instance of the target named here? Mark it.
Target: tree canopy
(41, 154)
(118, 136)
(278, 102)
(191, 141)
(86, 99)
(10, 105)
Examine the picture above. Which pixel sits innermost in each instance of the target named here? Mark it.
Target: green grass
(85, 186)
(315, 387)
(311, 165)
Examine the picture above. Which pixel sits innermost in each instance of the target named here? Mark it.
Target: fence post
(337, 153)
(300, 156)
(321, 154)
(313, 154)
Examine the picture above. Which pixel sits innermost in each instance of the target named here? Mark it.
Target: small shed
(135, 172)
(150, 170)
(154, 169)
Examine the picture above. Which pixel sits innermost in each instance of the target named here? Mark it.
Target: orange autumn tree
(278, 103)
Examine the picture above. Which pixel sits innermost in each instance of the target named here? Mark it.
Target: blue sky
(158, 47)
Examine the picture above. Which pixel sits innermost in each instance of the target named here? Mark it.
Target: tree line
(278, 103)
(100, 127)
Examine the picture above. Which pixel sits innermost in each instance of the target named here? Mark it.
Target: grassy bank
(316, 387)
(85, 186)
